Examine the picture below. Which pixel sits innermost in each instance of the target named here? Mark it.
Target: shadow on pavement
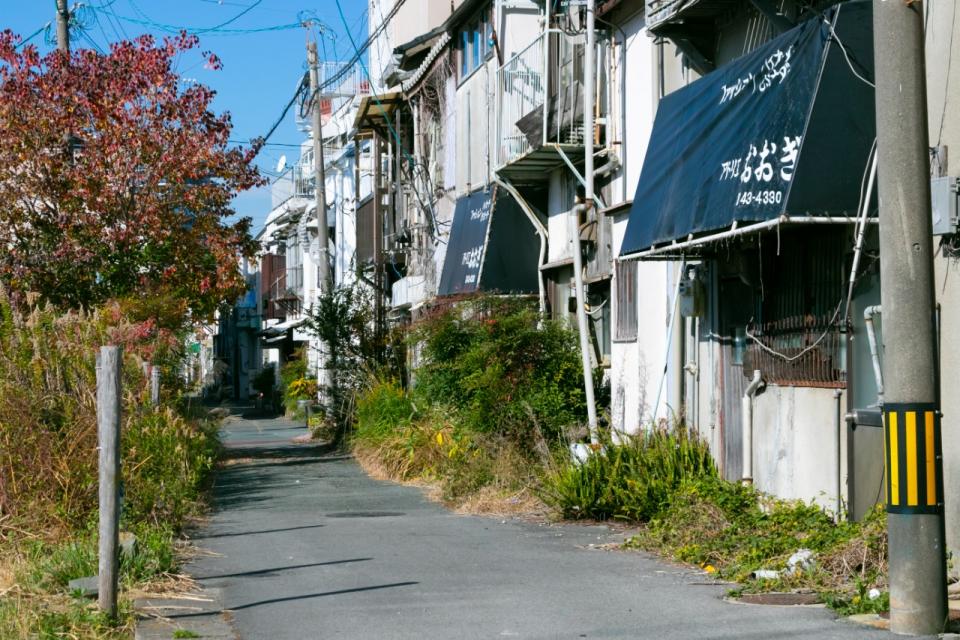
(275, 570)
(198, 614)
(253, 533)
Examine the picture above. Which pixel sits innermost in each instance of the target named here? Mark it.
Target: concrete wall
(476, 122)
(795, 444)
(476, 102)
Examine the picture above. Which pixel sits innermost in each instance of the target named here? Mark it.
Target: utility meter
(692, 295)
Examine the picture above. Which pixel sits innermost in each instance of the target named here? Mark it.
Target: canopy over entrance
(781, 135)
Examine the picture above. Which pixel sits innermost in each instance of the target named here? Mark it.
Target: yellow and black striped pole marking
(914, 459)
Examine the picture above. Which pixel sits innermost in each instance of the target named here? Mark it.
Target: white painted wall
(476, 101)
(636, 366)
(943, 97)
(560, 193)
(794, 444)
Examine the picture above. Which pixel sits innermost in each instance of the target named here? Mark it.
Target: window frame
(474, 47)
(626, 315)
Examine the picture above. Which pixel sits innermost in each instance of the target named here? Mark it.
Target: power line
(301, 87)
(33, 35)
(146, 21)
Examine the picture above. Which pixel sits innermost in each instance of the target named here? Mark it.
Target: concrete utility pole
(588, 203)
(109, 363)
(325, 284)
(63, 26)
(918, 584)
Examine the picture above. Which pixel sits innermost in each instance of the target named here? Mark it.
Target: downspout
(746, 409)
(838, 423)
(868, 314)
(589, 91)
(546, 69)
(582, 328)
(541, 232)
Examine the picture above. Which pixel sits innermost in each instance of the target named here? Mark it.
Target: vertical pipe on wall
(589, 91)
(838, 424)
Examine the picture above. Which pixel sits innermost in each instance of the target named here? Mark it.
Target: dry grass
(489, 500)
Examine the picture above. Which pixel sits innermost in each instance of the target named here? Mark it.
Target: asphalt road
(306, 546)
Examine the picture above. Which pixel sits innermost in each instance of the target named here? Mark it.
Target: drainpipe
(582, 327)
(541, 232)
(837, 393)
(868, 314)
(747, 410)
(589, 93)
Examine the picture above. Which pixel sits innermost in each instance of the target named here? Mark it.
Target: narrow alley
(301, 544)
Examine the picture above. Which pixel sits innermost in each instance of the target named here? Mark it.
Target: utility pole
(63, 26)
(324, 285)
(914, 465)
(585, 207)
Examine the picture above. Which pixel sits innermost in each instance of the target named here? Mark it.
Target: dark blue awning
(492, 246)
(783, 131)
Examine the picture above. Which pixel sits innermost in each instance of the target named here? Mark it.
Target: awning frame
(670, 250)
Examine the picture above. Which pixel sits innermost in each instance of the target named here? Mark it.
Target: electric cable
(32, 35)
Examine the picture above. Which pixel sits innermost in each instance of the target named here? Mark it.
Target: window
(475, 42)
(625, 276)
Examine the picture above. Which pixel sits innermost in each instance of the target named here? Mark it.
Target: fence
(815, 341)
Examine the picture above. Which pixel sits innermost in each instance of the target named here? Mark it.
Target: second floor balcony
(540, 101)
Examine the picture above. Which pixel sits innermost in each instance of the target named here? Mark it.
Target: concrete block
(87, 587)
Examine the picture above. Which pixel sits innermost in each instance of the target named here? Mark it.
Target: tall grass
(631, 480)
(48, 465)
(48, 428)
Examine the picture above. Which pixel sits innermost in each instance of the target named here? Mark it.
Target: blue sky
(260, 69)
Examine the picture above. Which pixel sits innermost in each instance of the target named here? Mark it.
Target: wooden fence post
(109, 365)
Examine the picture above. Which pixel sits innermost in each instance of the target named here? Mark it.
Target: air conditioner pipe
(608, 168)
(746, 408)
(868, 314)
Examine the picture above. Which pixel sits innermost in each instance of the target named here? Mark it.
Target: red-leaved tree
(116, 181)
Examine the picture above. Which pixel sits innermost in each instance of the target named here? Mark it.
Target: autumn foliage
(116, 181)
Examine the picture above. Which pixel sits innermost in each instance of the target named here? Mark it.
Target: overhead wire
(359, 57)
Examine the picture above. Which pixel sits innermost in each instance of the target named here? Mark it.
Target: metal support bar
(773, 15)
(736, 231)
(566, 159)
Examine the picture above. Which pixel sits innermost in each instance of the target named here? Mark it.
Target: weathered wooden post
(109, 364)
(154, 385)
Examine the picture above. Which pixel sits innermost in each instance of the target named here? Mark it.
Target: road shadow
(234, 534)
(274, 570)
(307, 596)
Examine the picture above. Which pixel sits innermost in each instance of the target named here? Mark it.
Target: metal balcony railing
(660, 11)
(302, 173)
(540, 96)
(337, 80)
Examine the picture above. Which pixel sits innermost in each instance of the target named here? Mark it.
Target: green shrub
(633, 480)
(502, 369)
(384, 409)
(296, 383)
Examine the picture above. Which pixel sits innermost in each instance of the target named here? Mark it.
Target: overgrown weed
(48, 466)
